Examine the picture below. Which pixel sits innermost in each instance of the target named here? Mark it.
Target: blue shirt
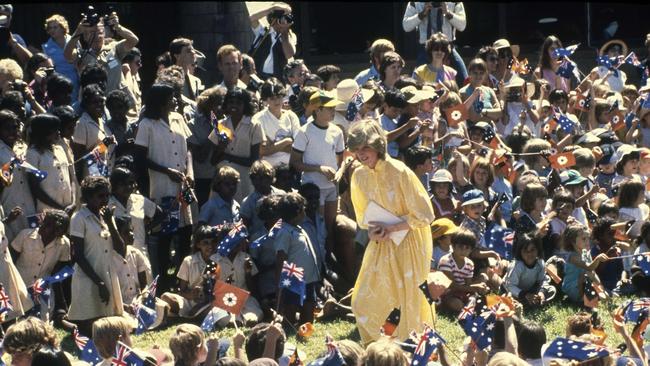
(294, 242)
(388, 125)
(216, 211)
(367, 74)
(502, 185)
(61, 66)
(317, 234)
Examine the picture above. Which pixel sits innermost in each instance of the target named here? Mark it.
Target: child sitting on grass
(460, 269)
(579, 262)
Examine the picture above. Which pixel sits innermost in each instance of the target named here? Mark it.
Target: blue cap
(473, 196)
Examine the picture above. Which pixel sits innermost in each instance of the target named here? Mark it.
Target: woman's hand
(378, 232)
(107, 214)
(104, 295)
(175, 175)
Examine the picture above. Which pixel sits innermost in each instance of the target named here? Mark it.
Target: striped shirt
(448, 264)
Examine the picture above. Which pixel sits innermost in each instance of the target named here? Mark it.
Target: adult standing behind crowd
(57, 28)
(390, 273)
(432, 17)
(15, 46)
(377, 51)
(274, 45)
(94, 48)
(184, 55)
(229, 61)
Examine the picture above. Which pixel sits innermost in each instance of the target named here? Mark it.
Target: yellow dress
(390, 275)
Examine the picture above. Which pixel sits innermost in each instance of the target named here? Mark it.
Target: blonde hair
(185, 342)
(224, 173)
(28, 335)
(107, 331)
(11, 68)
(380, 46)
(262, 168)
(58, 18)
(383, 353)
(367, 133)
(453, 99)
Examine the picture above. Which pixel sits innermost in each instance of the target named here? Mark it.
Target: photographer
(11, 79)
(275, 45)
(89, 45)
(432, 17)
(11, 45)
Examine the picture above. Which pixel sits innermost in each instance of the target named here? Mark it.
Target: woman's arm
(270, 148)
(40, 194)
(118, 242)
(254, 156)
(173, 174)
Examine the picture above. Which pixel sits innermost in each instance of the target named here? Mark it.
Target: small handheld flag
(234, 237)
(229, 298)
(456, 115)
(292, 279)
(563, 160)
(392, 322)
(268, 236)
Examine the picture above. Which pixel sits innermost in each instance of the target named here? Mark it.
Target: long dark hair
(544, 58)
(157, 97)
(42, 126)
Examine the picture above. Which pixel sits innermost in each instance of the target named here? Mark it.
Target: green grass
(552, 317)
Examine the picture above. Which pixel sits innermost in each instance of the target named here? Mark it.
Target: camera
(18, 85)
(281, 15)
(90, 16)
(514, 95)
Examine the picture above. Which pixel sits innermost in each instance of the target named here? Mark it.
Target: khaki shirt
(166, 145)
(18, 193)
(38, 260)
(90, 133)
(235, 269)
(137, 208)
(110, 58)
(247, 134)
(58, 184)
(127, 269)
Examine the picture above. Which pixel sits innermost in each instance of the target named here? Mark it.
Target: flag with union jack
(234, 237)
(87, 349)
(292, 279)
(268, 236)
(124, 356)
(5, 302)
(354, 106)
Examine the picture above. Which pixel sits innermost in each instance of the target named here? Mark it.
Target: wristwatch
(449, 16)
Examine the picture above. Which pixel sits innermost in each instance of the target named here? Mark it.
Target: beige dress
(36, 259)
(11, 281)
(98, 250)
(58, 184)
(90, 133)
(248, 133)
(18, 193)
(166, 145)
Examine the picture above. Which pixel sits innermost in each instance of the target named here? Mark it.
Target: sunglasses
(439, 48)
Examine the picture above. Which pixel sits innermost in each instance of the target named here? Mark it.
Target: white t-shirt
(514, 109)
(319, 146)
(277, 129)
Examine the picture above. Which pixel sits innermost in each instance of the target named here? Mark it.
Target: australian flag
(266, 237)
(634, 309)
(481, 329)
(234, 237)
(631, 59)
(500, 240)
(429, 343)
(150, 300)
(124, 356)
(40, 289)
(146, 317)
(172, 212)
(643, 261)
(40, 175)
(565, 123)
(565, 52)
(96, 163)
(35, 220)
(210, 321)
(88, 352)
(292, 279)
(569, 349)
(62, 275)
(566, 69)
(609, 63)
(354, 106)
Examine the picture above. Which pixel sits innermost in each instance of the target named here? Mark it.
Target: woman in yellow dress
(391, 272)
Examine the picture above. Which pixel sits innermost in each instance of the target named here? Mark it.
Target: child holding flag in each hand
(238, 269)
(190, 275)
(292, 245)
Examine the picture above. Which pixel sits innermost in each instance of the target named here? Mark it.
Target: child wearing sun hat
(441, 231)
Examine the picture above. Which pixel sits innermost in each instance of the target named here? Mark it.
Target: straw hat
(614, 42)
(504, 43)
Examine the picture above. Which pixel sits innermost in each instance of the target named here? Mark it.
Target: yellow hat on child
(442, 227)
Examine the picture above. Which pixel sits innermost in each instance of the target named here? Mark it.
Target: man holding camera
(432, 17)
(275, 45)
(11, 44)
(89, 45)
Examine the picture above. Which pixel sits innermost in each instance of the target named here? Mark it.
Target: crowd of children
(238, 205)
